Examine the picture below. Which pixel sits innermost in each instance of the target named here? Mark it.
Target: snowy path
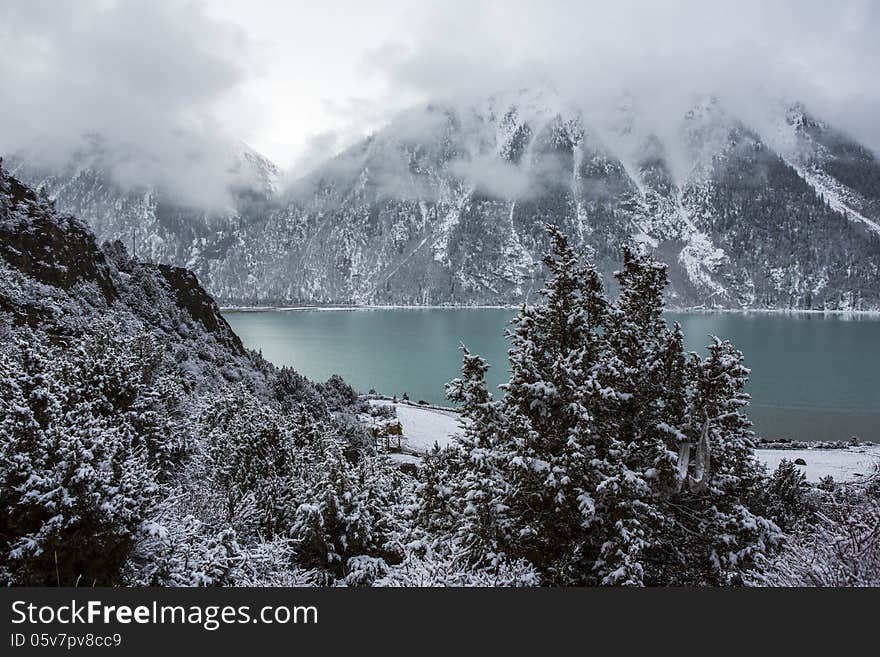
(422, 427)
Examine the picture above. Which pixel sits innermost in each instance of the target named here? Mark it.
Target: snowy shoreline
(685, 311)
(337, 308)
(425, 426)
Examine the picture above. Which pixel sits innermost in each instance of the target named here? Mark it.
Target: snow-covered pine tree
(277, 471)
(481, 488)
(329, 525)
(785, 496)
(719, 398)
(715, 531)
(346, 510)
(644, 367)
(601, 401)
(437, 509)
(552, 463)
(291, 389)
(636, 404)
(248, 456)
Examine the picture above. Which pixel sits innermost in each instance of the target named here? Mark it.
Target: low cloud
(157, 92)
(494, 177)
(134, 87)
(662, 57)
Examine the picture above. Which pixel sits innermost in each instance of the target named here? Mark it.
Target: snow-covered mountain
(56, 279)
(447, 205)
(148, 219)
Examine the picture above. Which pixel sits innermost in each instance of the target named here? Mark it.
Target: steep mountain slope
(447, 205)
(781, 243)
(842, 171)
(148, 219)
(141, 445)
(57, 281)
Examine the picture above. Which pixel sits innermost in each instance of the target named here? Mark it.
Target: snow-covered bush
(78, 457)
(787, 498)
(291, 389)
(338, 395)
(247, 455)
(185, 552)
(827, 484)
(187, 543)
(364, 571)
(272, 563)
(275, 473)
(842, 547)
(440, 569)
(347, 510)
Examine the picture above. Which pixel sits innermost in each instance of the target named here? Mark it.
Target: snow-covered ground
(842, 464)
(422, 427)
(400, 458)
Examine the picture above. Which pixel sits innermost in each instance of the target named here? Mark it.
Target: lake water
(814, 377)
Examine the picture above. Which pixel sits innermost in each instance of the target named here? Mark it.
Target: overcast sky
(298, 80)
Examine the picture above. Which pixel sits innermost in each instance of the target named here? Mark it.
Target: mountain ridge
(58, 280)
(447, 206)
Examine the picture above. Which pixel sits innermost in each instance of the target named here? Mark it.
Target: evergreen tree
(786, 498)
(583, 468)
(552, 461)
(481, 488)
(437, 508)
(640, 416)
(714, 530)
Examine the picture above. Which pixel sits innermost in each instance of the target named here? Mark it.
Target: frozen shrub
(291, 389)
(338, 395)
(271, 563)
(185, 552)
(786, 496)
(248, 457)
(826, 483)
(364, 571)
(346, 510)
(444, 569)
(78, 446)
(842, 548)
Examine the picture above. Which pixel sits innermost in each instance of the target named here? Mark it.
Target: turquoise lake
(814, 377)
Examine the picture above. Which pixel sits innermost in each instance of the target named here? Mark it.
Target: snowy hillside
(126, 401)
(156, 224)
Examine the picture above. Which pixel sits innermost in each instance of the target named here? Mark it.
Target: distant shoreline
(691, 310)
(341, 308)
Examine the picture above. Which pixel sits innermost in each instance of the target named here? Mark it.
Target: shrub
(841, 549)
(786, 496)
(78, 450)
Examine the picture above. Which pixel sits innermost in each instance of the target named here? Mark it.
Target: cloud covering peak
(662, 57)
(136, 88)
(168, 88)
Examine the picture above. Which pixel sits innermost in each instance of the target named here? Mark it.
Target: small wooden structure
(385, 433)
